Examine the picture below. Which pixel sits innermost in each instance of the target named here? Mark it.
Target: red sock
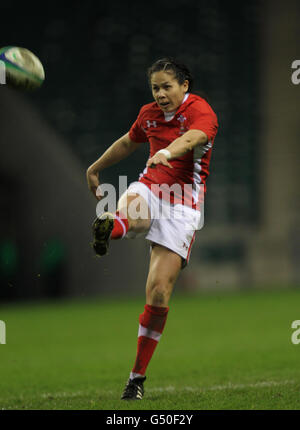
(121, 226)
(152, 323)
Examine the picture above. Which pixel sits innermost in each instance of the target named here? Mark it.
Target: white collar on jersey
(170, 115)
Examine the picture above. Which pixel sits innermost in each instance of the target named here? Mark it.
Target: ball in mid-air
(21, 68)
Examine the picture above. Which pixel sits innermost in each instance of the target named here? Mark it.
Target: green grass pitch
(218, 351)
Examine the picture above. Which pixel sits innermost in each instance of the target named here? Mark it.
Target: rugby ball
(20, 68)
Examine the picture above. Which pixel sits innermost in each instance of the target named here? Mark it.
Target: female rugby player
(180, 128)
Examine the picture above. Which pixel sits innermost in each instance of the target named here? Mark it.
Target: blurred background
(95, 56)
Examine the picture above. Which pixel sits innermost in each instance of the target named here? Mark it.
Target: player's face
(167, 91)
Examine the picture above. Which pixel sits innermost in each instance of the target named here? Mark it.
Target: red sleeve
(137, 133)
(202, 117)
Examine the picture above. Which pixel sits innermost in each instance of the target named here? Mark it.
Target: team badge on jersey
(182, 119)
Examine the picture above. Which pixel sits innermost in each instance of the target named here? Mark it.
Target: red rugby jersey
(160, 129)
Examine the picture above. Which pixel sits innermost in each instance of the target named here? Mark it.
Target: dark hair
(168, 64)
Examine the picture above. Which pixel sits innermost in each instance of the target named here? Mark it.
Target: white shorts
(172, 226)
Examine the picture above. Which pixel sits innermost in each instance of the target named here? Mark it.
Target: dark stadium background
(95, 56)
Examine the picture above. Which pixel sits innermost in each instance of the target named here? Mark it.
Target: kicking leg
(132, 215)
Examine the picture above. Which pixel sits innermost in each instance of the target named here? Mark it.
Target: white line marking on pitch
(171, 388)
(228, 386)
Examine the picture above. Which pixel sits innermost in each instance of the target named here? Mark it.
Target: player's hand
(158, 158)
(93, 183)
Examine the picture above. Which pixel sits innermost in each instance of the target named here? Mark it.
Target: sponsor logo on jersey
(151, 123)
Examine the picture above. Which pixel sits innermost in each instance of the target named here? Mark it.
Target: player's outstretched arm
(178, 147)
(185, 143)
(119, 150)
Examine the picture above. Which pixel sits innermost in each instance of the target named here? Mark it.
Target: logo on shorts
(184, 245)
